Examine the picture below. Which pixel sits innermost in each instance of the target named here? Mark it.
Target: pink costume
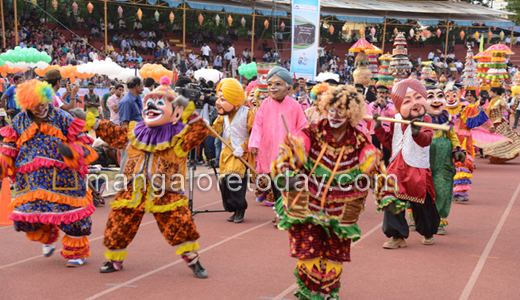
(387, 112)
(269, 131)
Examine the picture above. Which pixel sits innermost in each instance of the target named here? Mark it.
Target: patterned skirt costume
(322, 222)
(50, 190)
(506, 151)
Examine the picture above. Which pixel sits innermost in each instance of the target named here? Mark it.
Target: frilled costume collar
(443, 118)
(153, 139)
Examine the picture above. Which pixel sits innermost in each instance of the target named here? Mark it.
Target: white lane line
(94, 239)
(173, 263)
(294, 286)
(484, 256)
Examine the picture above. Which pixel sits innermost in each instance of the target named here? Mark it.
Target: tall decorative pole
(384, 34)
(446, 44)
(3, 24)
(512, 36)
(253, 30)
(106, 34)
(184, 27)
(15, 24)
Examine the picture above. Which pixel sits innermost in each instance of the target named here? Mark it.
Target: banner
(305, 38)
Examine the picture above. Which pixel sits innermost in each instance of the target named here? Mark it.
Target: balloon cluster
(155, 71)
(25, 55)
(248, 71)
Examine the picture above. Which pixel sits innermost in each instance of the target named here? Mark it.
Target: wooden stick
(233, 150)
(442, 127)
(285, 124)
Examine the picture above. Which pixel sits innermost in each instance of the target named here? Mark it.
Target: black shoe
(232, 218)
(108, 267)
(239, 217)
(198, 270)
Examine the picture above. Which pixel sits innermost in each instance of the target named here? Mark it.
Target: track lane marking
(294, 286)
(484, 256)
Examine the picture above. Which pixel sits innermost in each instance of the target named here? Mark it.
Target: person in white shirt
(508, 40)
(205, 51)
(171, 55)
(431, 55)
(120, 58)
(150, 45)
(227, 59)
(232, 49)
(192, 56)
(125, 45)
(138, 25)
(190, 72)
(151, 34)
(205, 64)
(71, 57)
(234, 66)
(122, 25)
(160, 45)
(110, 28)
(94, 32)
(197, 63)
(93, 56)
(419, 60)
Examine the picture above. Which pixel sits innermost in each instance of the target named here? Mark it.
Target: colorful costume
(50, 192)
(269, 130)
(466, 117)
(235, 127)
(322, 222)
(507, 151)
(156, 171)
(410, 163)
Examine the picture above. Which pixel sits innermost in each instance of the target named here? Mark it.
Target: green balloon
(48, 59)
(2, 62)
(22, 57)
(17, 48)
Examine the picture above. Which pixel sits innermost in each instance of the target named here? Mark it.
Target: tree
(514, 6)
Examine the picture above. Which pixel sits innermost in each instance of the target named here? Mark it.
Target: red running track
(251, 260)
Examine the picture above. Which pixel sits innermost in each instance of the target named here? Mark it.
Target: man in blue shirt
(12, 108)
(131, 106)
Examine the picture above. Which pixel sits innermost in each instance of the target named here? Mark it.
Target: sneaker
(441, 231)
(48, 249)
(411, 225)
(110, 267)
(239, 216)
(232, 218)
(76, 262)
(198, 270)
(395, 243)
(428, 241)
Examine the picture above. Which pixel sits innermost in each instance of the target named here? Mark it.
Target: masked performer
(466, 117)
(385, 108)
(410, 163)
(252, 96)
(46, 154)
(235, 122)
(444, 149)
(155, 170)
(502, 153)
(322, 221)
(268, 129)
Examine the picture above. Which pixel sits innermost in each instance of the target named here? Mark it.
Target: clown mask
(337, 114)
(41, 111)
(436, 102)
(158, 110)
(223, 106)
(414, 105)
(452, 98)
(516, 78)
(278, 88)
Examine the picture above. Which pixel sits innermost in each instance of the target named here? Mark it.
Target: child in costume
(410, 163)
(444, 149)
(322, 222)
(155, 169)
(46, 154)
(268, 129)
(235, 123)
(466, 117)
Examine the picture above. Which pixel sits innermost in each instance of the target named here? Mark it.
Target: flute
(442, 127)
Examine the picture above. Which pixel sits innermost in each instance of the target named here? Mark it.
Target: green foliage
(514, 6)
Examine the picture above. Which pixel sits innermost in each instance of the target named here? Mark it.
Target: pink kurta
(269, 131)
(388, 112)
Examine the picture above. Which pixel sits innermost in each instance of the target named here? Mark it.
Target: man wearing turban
(410, 163)
(235, 124)
(268, 129)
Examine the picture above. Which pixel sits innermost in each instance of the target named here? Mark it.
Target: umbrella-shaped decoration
(500, 48)
(120, 11)
(477, 35)
(156, 15)
(55, 5)
(90, 7)
(139, 14)
(362, 31)
(266, 24)
(75, 8)
(243, 22)
(217, 19)
(490, 35)
(282, 26)
(483, 54)
(373, 31)
(331, 29)
(438, 32)
(501, 35)
(396, 31)
(412, 32)
(201, 19)
(361, 45)
(172, 17)
(462, 34)
(230, 20)
(375, 50)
